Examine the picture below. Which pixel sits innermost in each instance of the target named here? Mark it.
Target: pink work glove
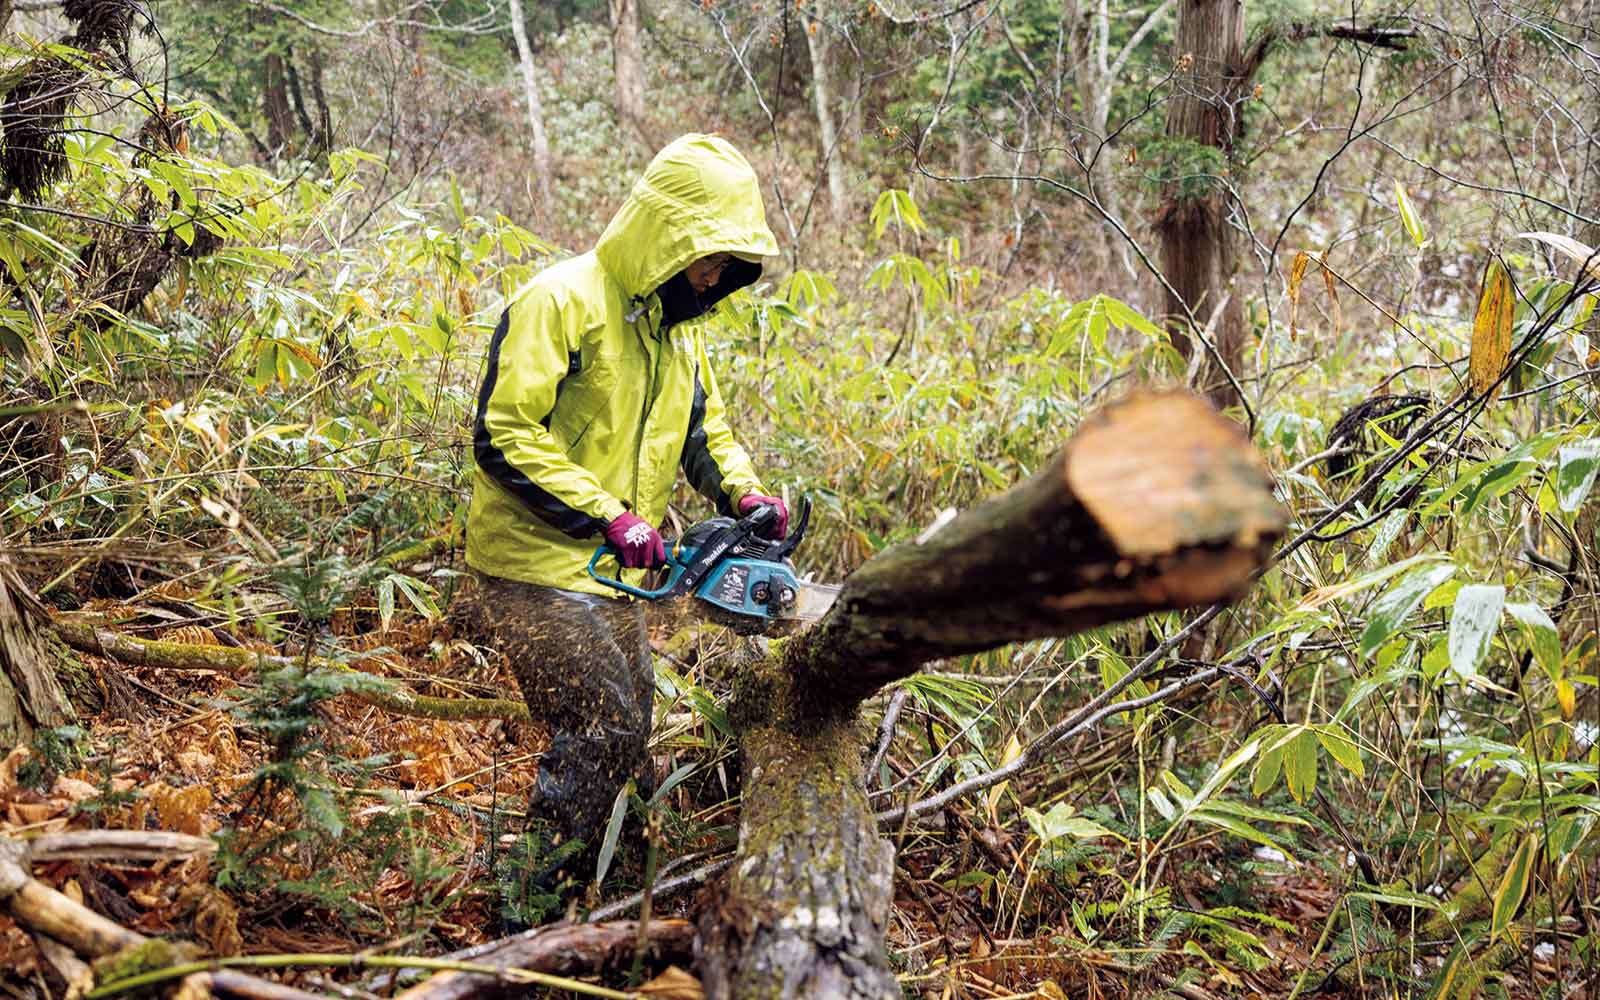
(638, 544)
(778, 528)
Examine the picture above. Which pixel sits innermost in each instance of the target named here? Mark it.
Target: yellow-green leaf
(1390, 611)
(1508, 895)
(1408, 215)
(1542, 635)
(1266, 772)
(1491, 328)
(1300, 765)
(1566, 697)
(1343, 749)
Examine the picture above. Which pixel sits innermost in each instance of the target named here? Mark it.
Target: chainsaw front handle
(674, 573)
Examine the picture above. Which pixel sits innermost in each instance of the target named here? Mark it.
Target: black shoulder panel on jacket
(698, 464)
(546, 505)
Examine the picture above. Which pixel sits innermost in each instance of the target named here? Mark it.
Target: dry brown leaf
(29, 813)
(195, 764)
(74, 790)
(674, 984)
(1491, 328)
(216, 919)
(1297, 274)
(8, 771)
(175, 588)
(181, 810)
(190, 635)
(150, 898)
(1333, 295)
(17, 953)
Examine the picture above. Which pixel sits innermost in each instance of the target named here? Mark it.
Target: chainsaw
(747, 580)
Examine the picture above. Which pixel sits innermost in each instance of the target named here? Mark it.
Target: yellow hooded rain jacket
(592, 399)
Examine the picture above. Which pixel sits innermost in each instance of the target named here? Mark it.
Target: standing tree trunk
(536, 133)
(1157, 503)
(31, 697)
(627, 64)
(275, 105)
(822, 97)
(324, 124)
(1197, 250)
(1095, 71)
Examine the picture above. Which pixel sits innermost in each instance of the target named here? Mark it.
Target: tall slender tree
(1197, 252)
(627, 63)
(819, 47)
(538, 139)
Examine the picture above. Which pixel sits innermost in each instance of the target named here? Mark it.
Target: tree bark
(539, 141)
(1157, 503)
(1197, 248)
(275, 104)
(627, 64)
(564, 950)
(398, 699)
(31, 696)
(1591, 155)
(832, 152)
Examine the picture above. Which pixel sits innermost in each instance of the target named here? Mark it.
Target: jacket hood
(698, 196)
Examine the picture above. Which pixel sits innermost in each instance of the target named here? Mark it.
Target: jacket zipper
(644, 414)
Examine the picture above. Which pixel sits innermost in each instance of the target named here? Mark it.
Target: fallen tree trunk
(564, 950)
(1157, 503)
(394, 697)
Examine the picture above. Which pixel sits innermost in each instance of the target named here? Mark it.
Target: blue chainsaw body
(726, 563)
(740, 585)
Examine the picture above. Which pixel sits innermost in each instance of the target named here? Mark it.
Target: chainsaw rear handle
(674, 572)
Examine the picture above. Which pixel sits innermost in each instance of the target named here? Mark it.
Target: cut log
(1157, 503)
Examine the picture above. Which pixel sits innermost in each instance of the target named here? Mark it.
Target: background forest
(250, 255)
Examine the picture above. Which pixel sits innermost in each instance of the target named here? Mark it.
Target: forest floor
(424, 812)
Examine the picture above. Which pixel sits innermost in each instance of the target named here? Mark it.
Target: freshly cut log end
(1158, 503)
(1162, 472)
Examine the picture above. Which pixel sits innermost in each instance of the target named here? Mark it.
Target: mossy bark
(804, 910)
(399, 699)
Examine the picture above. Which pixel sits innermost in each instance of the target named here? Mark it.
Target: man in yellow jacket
(597, 389)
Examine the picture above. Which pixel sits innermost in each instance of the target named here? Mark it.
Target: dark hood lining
(680, 303)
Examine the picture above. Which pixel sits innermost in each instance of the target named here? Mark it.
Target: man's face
(704, 273)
